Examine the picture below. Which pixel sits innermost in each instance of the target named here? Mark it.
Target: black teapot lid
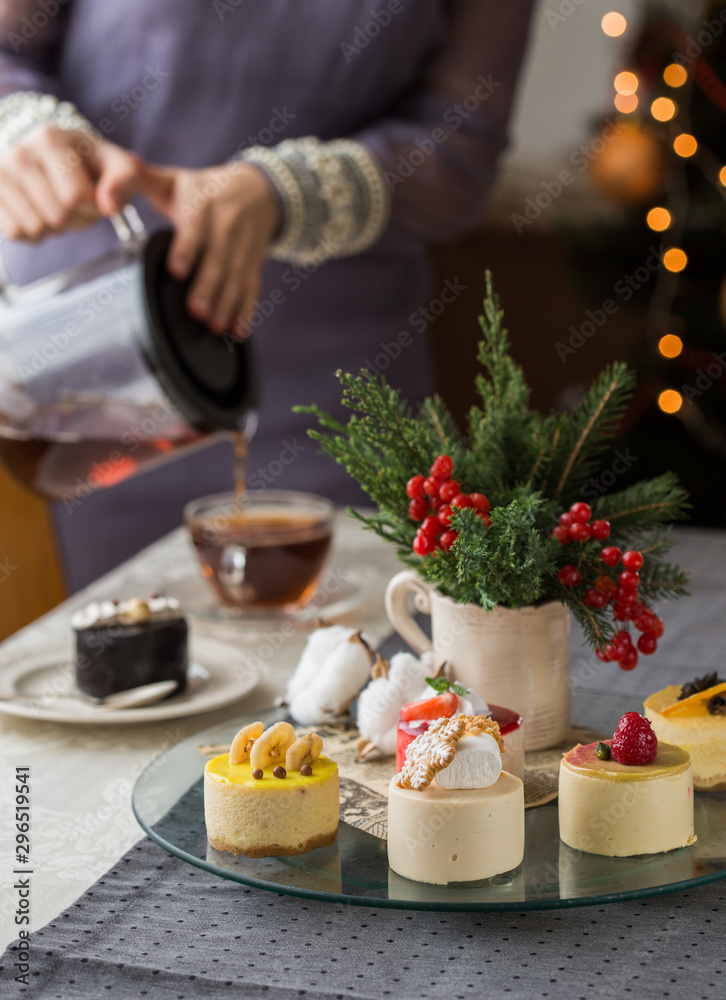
(209, 377)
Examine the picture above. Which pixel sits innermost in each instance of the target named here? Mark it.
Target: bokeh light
(670, 346)
(675, 259)
(626, 82)
(663, 109)
(675, 75)
(670, 401)
(659, 219)
(685, 144)
(722, 175)
(626, 103)
(613, 24)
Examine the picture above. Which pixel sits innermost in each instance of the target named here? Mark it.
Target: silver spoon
(147, 694)
(136, 697)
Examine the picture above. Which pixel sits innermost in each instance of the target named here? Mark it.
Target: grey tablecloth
(153, 926)
(156, 927)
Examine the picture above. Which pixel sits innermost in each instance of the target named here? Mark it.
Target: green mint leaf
(440, 684)
(460, 690)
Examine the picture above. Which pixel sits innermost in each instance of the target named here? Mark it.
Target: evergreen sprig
(531, 466)
(644, 504)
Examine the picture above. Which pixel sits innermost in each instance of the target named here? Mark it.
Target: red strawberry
(634, 742)
(433, 708)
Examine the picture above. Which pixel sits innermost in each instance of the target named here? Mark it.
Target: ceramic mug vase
(516, 658)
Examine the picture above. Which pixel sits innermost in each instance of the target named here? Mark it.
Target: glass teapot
(104, 373)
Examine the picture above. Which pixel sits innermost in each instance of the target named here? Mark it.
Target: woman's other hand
(224, 220)
(57, 179)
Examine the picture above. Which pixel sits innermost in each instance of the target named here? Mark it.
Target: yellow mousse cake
(273, 794)
(697, 723)
(453, 814)
(620, 810)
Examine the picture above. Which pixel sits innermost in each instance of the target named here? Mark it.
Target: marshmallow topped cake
(272, 795)
(453, 814)
(417, 716)
(126, 644)
(628, 795)
(694, 717)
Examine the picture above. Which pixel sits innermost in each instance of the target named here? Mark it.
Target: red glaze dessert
(417, 716)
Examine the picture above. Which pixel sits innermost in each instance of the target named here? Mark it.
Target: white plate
(41, 685)
(339, 592)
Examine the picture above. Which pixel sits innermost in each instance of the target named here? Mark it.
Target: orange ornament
(629, 169)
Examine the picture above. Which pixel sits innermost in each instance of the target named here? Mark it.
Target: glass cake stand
(168, 803)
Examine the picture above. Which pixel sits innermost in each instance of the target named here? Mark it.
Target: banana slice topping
(271, 747)
(243, 741)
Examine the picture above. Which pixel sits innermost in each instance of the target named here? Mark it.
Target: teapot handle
(128, 227)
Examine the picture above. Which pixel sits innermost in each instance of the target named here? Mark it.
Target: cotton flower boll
(379, 705)
(321, 643)
(407, 672)
(378, 710)
(477, 764)
(335, 683)
(305, 708)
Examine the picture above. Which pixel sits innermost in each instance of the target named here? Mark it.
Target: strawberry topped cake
(628, 795)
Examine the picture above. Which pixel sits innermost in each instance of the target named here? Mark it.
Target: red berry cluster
(621, 593)
(575, 526)
(433, 499)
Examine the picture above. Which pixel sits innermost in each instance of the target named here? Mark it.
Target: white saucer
(339, 591)
(41, 685)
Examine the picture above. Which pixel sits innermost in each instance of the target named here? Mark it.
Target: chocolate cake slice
(123, 645)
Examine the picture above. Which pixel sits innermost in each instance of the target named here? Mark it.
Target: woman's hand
(224, 220)
(58, 179)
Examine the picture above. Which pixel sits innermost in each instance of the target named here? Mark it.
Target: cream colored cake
(621, 810)
(687, 723)
(273, 794)
(453, 814)
(444, 835)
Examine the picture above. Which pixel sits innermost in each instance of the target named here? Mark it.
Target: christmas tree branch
(601, 409)
(645, 504)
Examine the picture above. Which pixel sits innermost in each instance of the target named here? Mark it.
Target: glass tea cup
(262, 551)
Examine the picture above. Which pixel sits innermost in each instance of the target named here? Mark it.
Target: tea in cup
(262, 551)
